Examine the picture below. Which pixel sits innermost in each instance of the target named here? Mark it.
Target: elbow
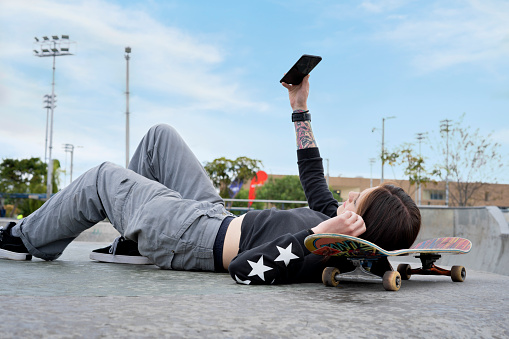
(236, 272)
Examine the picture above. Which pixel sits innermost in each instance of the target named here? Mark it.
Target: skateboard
(363, 254)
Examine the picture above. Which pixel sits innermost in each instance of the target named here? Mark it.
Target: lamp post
(127, 57)
(57, 46)
(444, 128)
(50, 102)
(70, 148)
(383, 146)
(371, 162)
(420, 136)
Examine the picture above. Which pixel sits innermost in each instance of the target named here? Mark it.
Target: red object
(257, 181)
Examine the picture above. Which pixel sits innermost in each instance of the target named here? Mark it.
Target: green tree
(26, 176)
(413, 165)
(244, 194)
(223, 171)
(285, 188)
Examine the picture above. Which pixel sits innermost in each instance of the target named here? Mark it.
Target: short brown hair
(392, 218)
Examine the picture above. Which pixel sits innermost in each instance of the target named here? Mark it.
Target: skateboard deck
(348, 246)
(363, 254)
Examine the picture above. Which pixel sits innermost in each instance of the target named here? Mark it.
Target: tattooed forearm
(304, 135)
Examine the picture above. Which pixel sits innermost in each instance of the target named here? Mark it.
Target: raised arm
(298, 95)
(310, 163)
(311, 171)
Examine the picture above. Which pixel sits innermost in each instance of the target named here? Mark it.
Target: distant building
(431, 193)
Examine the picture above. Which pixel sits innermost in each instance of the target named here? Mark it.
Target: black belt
(219, 245)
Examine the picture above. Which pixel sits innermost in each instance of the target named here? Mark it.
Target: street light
(419, 137)
(383, 147)
(444, 127)
(49, 102)
(371, 162)
(56, 46)
(127, 57)
(70, 148)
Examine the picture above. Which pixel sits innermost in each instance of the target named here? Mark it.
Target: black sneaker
(12, 247)
(121, 251)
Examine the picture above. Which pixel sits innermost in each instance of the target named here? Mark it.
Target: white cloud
(449, 34)
(501, 136)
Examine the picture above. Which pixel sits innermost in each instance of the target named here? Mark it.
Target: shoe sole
(4, 254)
(120, 259)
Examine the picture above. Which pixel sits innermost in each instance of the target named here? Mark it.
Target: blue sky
(212, 68)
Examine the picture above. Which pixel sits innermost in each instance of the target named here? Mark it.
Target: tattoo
(304, 135)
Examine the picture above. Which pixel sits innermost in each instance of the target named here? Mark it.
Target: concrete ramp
(486, 227)
(101, 232)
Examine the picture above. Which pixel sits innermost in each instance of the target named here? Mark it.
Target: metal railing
(268, 203)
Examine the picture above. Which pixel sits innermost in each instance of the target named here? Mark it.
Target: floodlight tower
(127, 57)
(57, 46)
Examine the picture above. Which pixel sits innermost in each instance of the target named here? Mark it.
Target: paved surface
(77, 298)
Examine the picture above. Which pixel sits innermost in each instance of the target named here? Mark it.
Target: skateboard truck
(428, 266)
(457, 273)
(391, 280)
(359, 273)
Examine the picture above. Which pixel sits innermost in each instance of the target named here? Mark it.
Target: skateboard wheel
(392, 281)
(458, 273)
(405, 271)
(329, 276)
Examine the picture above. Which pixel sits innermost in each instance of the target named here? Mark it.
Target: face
(354, 198)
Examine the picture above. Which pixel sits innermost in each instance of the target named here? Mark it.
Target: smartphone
(301, 68)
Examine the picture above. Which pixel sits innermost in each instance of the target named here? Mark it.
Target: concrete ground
(77, 298)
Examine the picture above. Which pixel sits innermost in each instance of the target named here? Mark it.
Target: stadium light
(56, 50)
(127, 57)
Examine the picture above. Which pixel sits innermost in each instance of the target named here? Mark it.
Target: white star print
(245, 282)
(285, 254)
(258, 268)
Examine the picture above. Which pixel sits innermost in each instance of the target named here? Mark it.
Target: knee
(163, 129)
(106, 168)
(163, 134)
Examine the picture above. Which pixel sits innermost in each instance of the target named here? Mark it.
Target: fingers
(354, 223)
(305, 82)
(359, 226)
(348, 223)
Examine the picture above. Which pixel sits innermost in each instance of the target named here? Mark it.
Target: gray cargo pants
(165, 202)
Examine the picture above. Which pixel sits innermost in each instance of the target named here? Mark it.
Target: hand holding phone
(302, 67)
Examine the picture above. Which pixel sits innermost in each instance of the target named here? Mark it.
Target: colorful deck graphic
(451, 243)
(348, 246)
